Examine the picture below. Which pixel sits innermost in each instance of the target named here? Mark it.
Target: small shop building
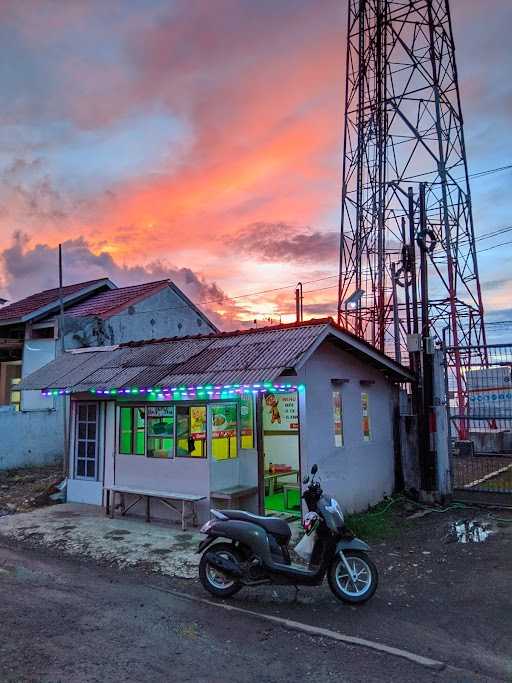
(231, 419)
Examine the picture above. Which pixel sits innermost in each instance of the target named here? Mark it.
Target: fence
(480, 414)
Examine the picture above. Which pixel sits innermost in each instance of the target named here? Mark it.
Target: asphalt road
(68, 621)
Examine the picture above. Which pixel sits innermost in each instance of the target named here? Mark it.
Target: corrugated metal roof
(212, 359)
(242, 357)
(224, 377)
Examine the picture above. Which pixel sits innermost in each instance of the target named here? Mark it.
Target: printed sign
(337, 419)
(280, 413)
(246, 416)
(198, 422)
(160, 411)
(223, 420)
(366, 417)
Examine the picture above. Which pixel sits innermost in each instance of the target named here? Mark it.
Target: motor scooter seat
(273, 525)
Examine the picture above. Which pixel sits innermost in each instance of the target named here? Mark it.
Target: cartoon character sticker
(272, 402)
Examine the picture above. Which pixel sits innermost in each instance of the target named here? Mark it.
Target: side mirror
(314, 469)
(306, 479)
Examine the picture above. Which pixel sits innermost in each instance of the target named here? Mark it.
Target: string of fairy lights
(183, 393)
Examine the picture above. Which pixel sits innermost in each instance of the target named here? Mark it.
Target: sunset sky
(201, 140)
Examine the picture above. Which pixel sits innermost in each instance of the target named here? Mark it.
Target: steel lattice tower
(403, 127)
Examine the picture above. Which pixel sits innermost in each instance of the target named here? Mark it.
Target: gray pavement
(70, 621)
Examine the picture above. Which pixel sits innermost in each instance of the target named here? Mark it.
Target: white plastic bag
(304, 547)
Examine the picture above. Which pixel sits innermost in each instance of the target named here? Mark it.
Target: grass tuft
(379, 523)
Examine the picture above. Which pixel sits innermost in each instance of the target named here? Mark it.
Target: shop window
(337, 418)
(160, 431)
(132, 430)
(43, 333)
(191, 432)
(224, 431)
(365, 415)
(86, 441)
(247, 422)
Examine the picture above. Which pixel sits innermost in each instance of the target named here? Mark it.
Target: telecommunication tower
(405, 192)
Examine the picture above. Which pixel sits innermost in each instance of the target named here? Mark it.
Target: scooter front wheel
(215, 581)
(358, 586)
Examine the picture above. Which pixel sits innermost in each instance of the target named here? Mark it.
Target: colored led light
(191, 392)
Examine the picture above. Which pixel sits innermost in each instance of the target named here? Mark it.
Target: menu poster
(160, 421)
(246, 417)
(198, 422)
(280, 413)
(337, 419)
(224, 420)
(365, 417)
(160, 411)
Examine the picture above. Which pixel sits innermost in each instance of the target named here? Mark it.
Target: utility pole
(396, 321)
(299, 300)
(65, 402)
(426, 424)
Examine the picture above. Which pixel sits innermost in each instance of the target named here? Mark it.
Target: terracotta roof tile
(32, 303)
(105, 304)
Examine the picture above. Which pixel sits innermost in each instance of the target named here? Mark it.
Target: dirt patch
(27, 488)
(118, 532)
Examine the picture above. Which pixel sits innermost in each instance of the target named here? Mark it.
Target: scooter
(257, 551)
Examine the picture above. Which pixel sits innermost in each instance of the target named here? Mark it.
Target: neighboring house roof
(240, 357)
(107, 304)
(44, 302)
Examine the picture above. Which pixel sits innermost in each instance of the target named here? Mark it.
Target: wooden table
(272, 477)
(287, 487)
(144, 494)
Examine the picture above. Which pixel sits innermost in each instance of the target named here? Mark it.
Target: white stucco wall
(163, 314)
(32, 438)
(359, 473)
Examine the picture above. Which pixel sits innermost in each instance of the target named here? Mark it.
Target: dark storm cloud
(281, 242)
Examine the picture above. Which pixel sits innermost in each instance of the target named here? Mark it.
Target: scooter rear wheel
(215, 581)
(353, 590)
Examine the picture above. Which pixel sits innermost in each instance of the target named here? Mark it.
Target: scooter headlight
(206, 527)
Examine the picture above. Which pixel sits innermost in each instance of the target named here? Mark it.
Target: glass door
(86, 464)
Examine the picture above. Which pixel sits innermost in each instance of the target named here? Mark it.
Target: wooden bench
(233, 494)
(163, 496)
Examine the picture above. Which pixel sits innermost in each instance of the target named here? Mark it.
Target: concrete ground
(67, 622)
(437, 598)
(84, 530)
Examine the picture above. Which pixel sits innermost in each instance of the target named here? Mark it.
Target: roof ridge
(235, 333)
(142, 284)
(56, 289)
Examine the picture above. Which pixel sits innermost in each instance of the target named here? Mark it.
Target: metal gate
(480, 415)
